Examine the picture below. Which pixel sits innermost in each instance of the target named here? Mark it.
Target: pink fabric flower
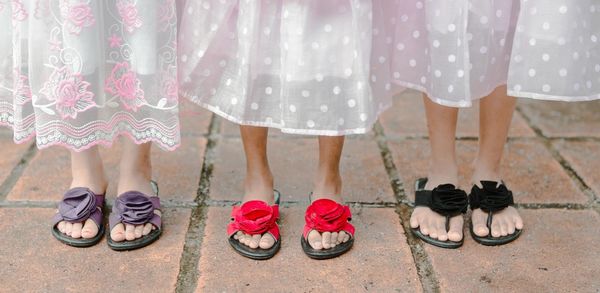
(114, 41)
(70, 92)
(124, 83)
(129, 15)
(77, 16)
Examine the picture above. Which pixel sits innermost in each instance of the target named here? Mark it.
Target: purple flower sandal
(78, 205)
(135, 208)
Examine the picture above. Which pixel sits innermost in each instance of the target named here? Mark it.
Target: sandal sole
(323, 254)
(442, 244)
(133, 244)
(495, 241)
(78, 242)
(254, 253)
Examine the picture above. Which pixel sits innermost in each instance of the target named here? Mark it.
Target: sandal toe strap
(325, 215)
(135, 208)
(78, 205)
(254, 217)
(445, 199)
(491, 198)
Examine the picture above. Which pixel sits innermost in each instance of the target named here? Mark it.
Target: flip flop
(78, 205)
(445, 200)
(255, 217)
(493, 197)
(325, 215)
(135, 208)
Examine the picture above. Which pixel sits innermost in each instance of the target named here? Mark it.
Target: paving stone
(529, 170)
(557, 252)
(563, 119)
(34, 261)
(380, 260)
(49, 173)
(11, 156)
(407, 118)
(584, 157)
(294, 163)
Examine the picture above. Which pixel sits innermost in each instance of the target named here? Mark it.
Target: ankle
(442, 175)
(258, 187)
(485, 175)
(328, 186)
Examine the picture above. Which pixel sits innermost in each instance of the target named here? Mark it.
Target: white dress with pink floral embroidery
(79, 73)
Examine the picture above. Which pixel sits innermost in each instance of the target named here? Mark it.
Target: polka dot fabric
(457, 51)
(306, 67)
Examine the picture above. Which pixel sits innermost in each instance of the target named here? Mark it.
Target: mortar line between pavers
(187, 278)
(548, 143)
(425, 271)
(15, 174)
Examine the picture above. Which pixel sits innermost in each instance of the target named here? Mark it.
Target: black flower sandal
(490, 199)
(446, 200)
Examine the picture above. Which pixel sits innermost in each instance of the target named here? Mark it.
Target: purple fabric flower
(78, 205)
(134, 207)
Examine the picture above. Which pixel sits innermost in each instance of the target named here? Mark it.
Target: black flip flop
(490, 199)
(256, 253)
(446, 200)
(134, 207)
(78, 205)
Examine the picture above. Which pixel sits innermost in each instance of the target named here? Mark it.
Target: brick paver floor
(551, 163)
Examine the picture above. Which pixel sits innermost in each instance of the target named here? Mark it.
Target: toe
(255, 240)
(266, 241)
(139, 229)
(503, 227)
(237, 235)
(432, 225)
(478, 220)
(326, 240)
(334, 237)
(414, 220)
(455, 233)
(118, 233)
(510, 227)
(68, 228)
(315, 240)
(147, 229)
(424, 227)
(518, 221)
(441, 230)
(496, 228)
(61, 226)
(347, 237)
(90, 229)
(76, 230)
(129, 232)
(341, 237)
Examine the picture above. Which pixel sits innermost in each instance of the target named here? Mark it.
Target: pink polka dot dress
(305, 67)
(457, 51)
(79, 73)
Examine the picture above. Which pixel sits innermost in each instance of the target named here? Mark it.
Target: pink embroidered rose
(21, 88)
(69, 91)
(19, 12)
(124, 83)
(166, 14)
(77, 16)
(169, 89)
(129, 15)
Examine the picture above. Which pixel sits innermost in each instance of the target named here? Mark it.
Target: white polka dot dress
(457, 51)
(305, 67)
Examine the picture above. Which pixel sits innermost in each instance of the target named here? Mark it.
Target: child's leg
(496, 111)
(135, 173)
(328, 184)
(441, 122)
(258, 184)
(87, 171)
